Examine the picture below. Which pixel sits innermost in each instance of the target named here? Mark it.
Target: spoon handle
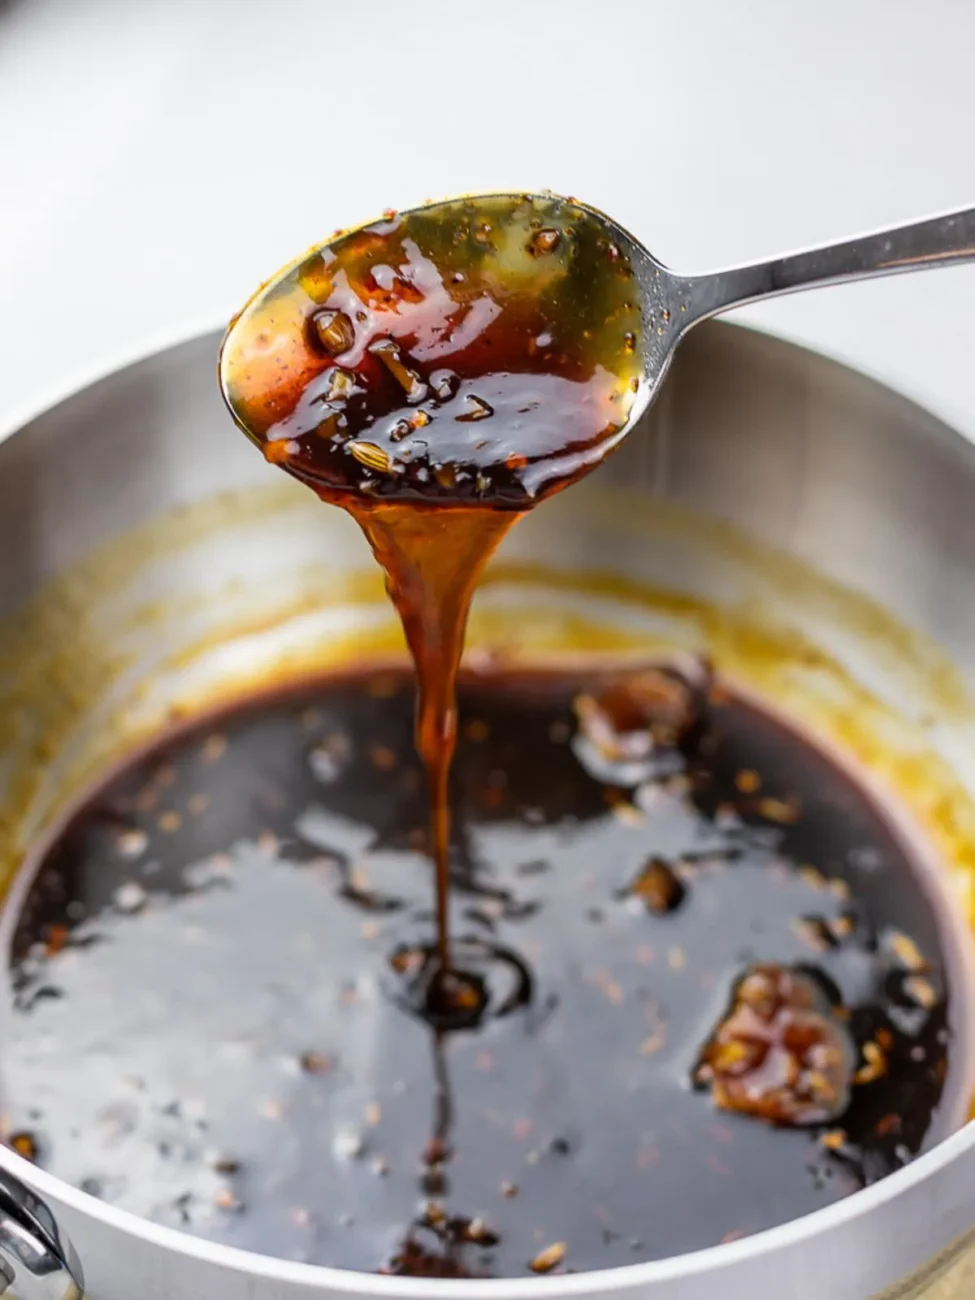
(937, 241)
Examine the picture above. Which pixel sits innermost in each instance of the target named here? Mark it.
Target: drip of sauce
(432, 560)
(436, 374)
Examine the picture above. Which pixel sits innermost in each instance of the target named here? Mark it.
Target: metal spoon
(673, 303)
(570, 278)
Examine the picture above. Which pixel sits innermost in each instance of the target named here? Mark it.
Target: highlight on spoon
(481, 348)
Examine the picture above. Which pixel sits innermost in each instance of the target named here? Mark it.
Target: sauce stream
(432, 561)
(436, 374)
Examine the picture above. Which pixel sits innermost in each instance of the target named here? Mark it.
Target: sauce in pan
(220, 1014)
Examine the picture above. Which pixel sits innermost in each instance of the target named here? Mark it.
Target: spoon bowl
(491, 347)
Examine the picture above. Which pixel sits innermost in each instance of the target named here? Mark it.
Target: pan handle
(37, 1261)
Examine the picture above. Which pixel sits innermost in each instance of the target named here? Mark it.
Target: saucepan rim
(711, 1260)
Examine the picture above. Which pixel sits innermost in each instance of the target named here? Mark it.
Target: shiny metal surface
(36, 1261)
(803, 456)
(674, 302)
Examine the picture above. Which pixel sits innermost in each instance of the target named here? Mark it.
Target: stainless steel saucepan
(807, 527)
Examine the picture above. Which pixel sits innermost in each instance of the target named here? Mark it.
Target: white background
(158, 158)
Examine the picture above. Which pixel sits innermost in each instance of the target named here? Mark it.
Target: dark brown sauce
(436, 374)
(214, 980)
(432, 560)
(465, 354)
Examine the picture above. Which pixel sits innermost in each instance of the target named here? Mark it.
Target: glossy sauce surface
(215, 1018)
(480, 352)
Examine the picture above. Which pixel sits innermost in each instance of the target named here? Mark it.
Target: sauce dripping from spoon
(436, 374)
